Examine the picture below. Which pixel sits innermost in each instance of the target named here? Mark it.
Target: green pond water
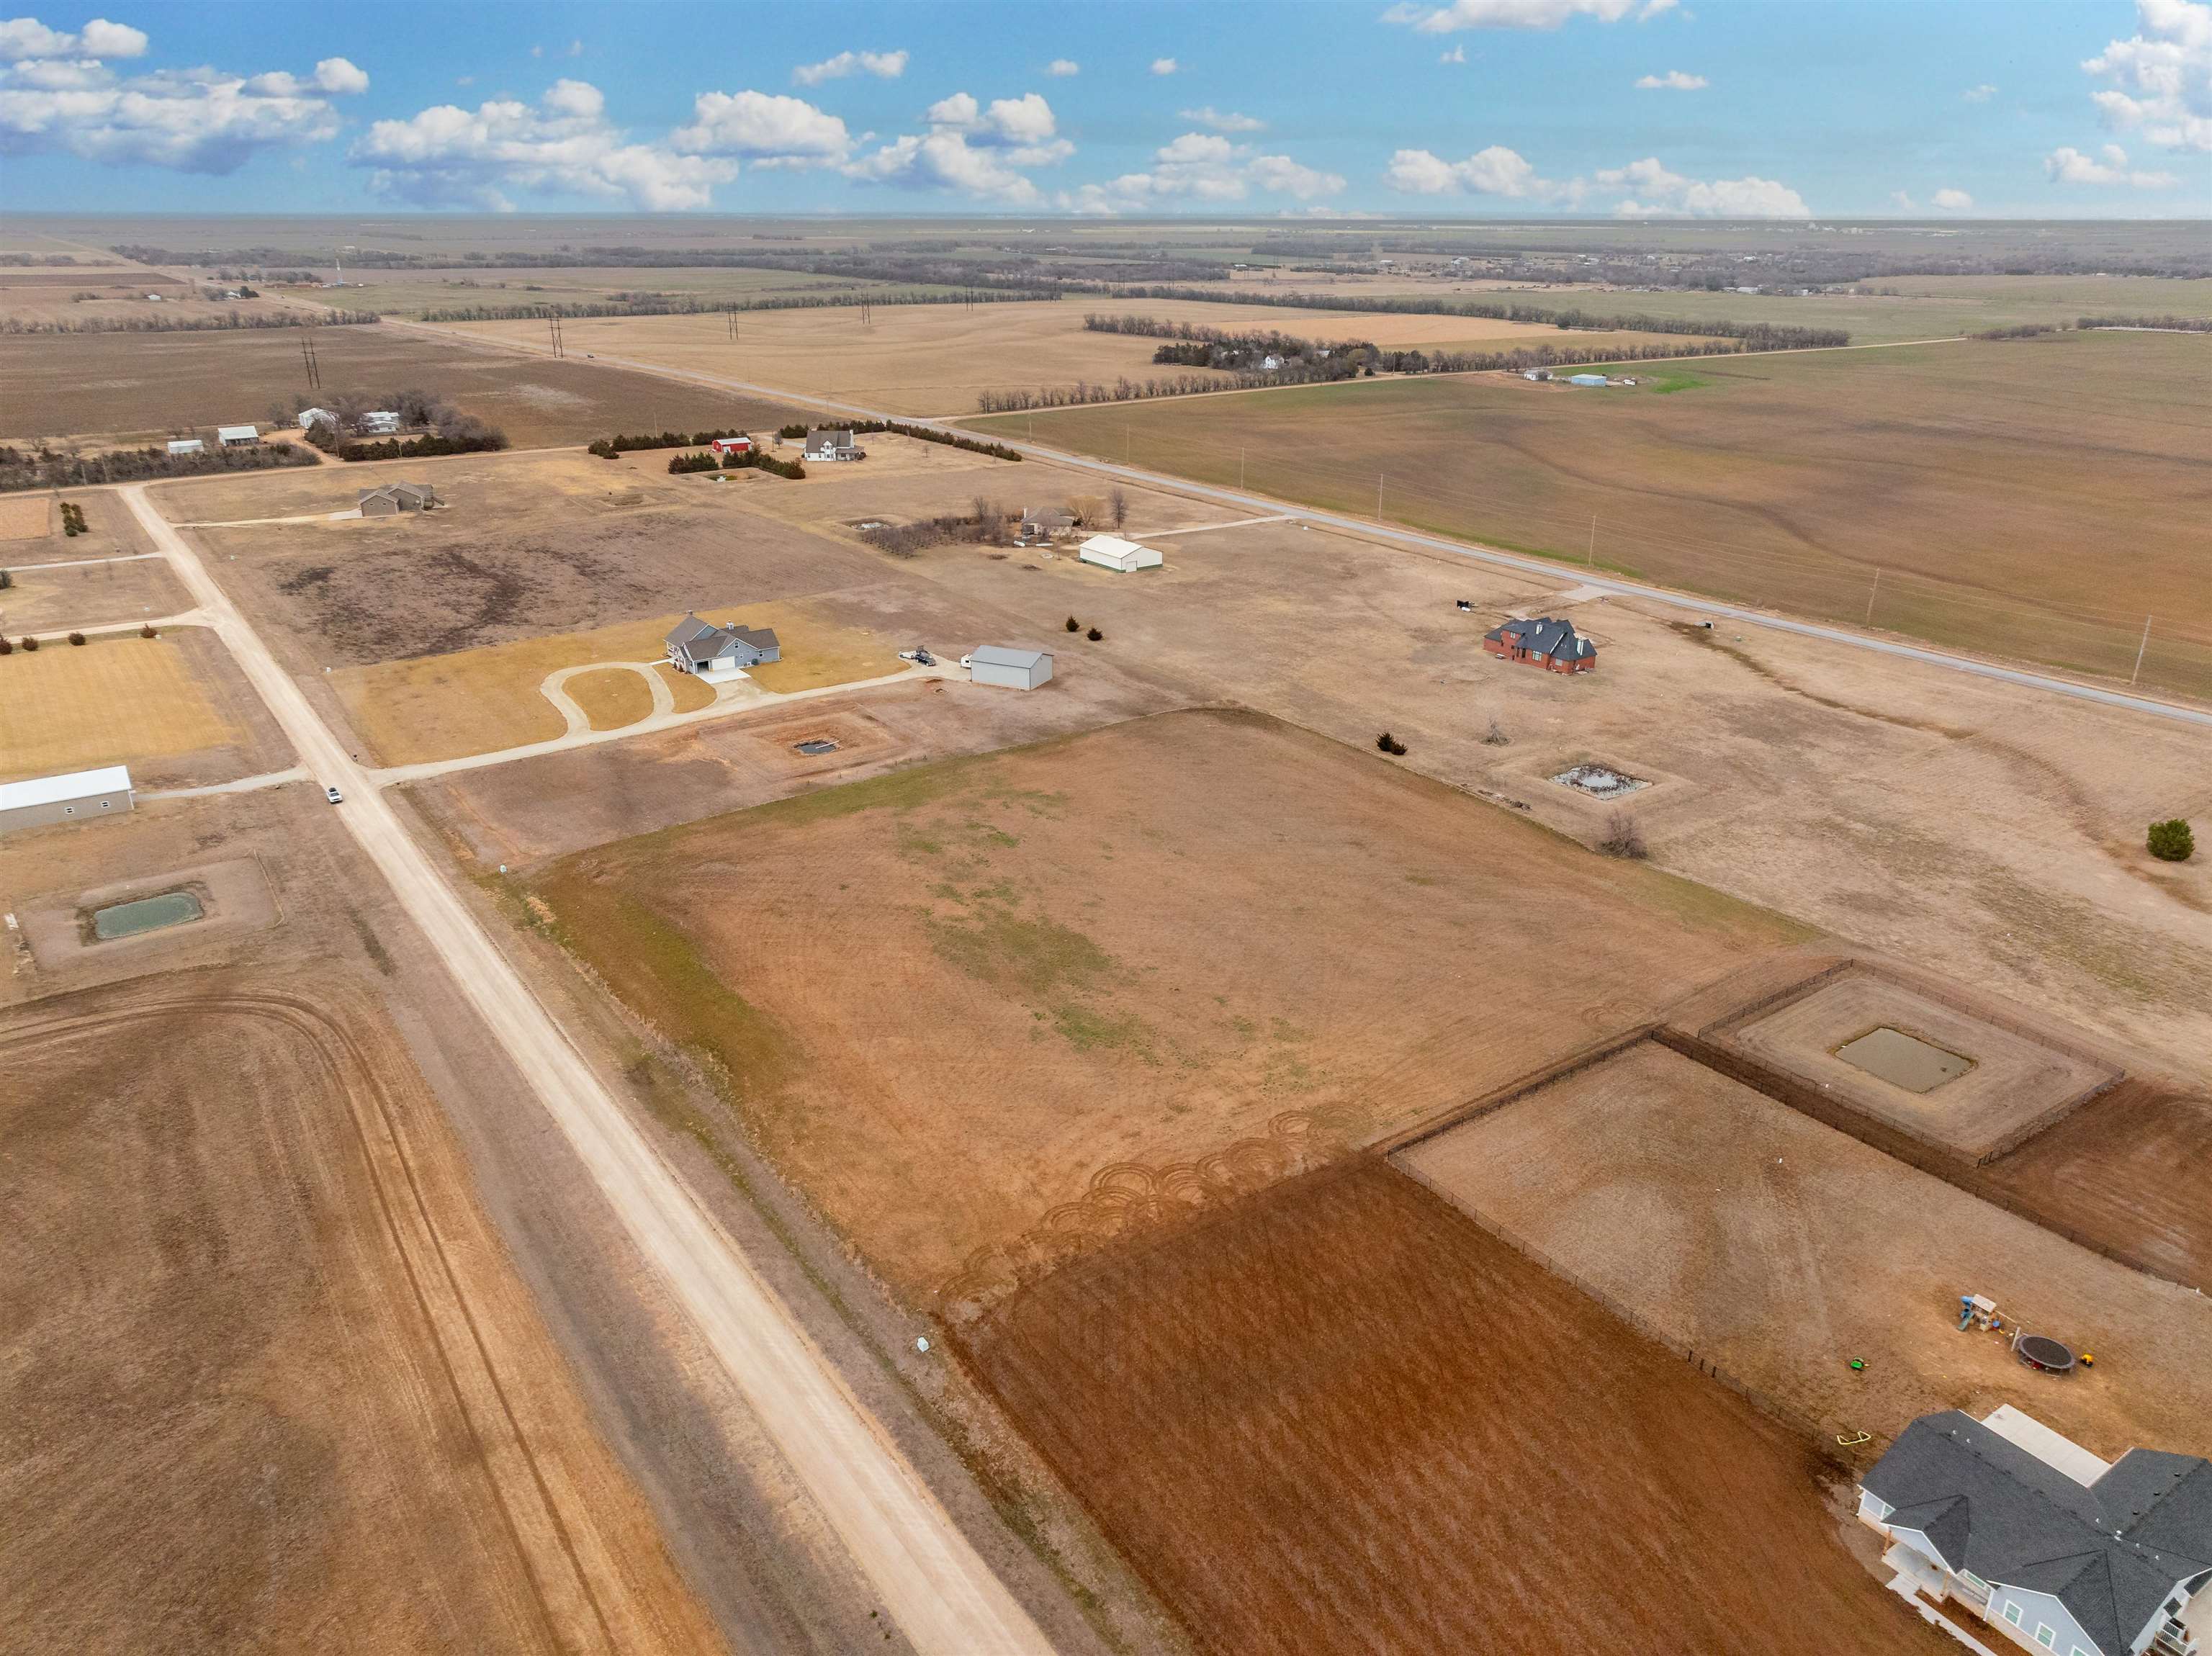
(147, 914)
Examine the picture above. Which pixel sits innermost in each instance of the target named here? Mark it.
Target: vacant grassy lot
(26, 517)
(2035, 499)
(147, 384)
(1338, 1418)
(934, 359)
(112, 700)
(1172, 946)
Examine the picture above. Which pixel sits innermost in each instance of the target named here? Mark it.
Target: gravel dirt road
(933, 1583)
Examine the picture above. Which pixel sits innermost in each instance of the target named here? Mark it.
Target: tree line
(226, 321)
(686, 306)
(44, 468)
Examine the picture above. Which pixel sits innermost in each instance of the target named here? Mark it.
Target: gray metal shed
(1011, 668)
(77, 795)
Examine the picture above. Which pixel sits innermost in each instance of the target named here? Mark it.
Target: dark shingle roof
(2110, 1551)
(1546, 637)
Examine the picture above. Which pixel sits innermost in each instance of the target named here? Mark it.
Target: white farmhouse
(2049, 1545)
(1112, 552)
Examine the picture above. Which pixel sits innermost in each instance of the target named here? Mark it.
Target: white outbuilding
(1112, 552)
(79, 795)
(187, 445)
(238, 436)
(1011, 668)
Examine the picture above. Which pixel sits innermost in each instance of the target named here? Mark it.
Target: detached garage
(76, 796)
(1112, 552)
(1013, 669)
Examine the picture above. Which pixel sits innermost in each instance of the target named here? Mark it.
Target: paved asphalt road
(932, 1581)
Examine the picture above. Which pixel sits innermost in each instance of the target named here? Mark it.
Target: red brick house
(1542, 642)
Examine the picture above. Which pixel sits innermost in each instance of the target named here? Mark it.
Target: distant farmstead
(833, 445)
(238, 436)
(394, 497)
(708, 651)
(1542, 642)
(380, 422)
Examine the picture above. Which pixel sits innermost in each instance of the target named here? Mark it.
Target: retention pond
(147, 914)
(1904, 1060)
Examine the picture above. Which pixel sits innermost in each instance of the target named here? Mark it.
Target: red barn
(1542, 642)
(726, 446)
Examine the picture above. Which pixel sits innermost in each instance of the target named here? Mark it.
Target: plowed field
(1339, 1418)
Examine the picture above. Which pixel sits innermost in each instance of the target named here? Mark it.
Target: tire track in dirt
(568, 1608)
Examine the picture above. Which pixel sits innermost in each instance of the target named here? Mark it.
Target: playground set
(2037, 1351)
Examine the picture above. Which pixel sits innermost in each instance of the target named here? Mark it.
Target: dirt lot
(934, 359)
(1077, 957)
(1338, 1417)
(274, 1381)
(1973, 476)
(146, 385)
(1781, 1248)
(50, 601)
(26, 517)
(117, 699)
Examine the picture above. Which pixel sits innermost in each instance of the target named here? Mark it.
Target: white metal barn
(1112, 552)
(1013, 669)
(76, 797)
(238, 436)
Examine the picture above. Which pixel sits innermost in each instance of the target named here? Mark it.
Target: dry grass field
(442, 707)
(144, 386)
(2030, 498)
(48, 601)
(1337, 1418)
(934, 359)
(272, 1383)
(26, 517)
(114, 700)
(1114, 971)
(1781, 1248)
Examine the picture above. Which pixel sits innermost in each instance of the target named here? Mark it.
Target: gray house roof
(2112, 1551)
(1545, 637)
(830, 437)
(701, 641)
(1054, 517)
(1000, 655)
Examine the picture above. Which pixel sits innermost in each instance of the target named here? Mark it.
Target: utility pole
(1871, 594)
(1378, 497)
(2140, 648)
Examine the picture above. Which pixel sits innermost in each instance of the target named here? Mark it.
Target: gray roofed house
(1544, 641)
(1045, 522)
(710, 652)
(2100, 1568)
(833, 443)
(392, 498)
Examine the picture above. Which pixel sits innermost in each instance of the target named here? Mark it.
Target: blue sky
(1434, 108)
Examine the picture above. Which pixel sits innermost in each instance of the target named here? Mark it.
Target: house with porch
(712, 652)
(1544, 642)
(832, 444)
(2042, 1542)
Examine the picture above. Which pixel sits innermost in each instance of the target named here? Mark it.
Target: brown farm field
(2030, 498)
(1780, 1248)
(144, 386)
(1183, 951)
(272, 1384)
(1338, 1418)
(934, 359)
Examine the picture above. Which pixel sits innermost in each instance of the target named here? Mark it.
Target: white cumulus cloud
(2067, 165)
(27, 37)
(2160, 79)
(1518, 13)
(1165, 66)
(564, 145)
(1496, 171)
(883, 65)
(1656, 193)
(1953, 200)
(1456, 55)
(763, 128)
(1204, 167)
(60, 93)
(1673, 81)
(1223, 120)
(1063, 67)
(972, 149)
(1979, 95)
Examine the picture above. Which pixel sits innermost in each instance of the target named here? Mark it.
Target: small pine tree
(6, 648)
(2171, 842)
(1094, 635)
(1073, 625)
(147, 631)
(30, 643)
(76, 638)
(1389, 743)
